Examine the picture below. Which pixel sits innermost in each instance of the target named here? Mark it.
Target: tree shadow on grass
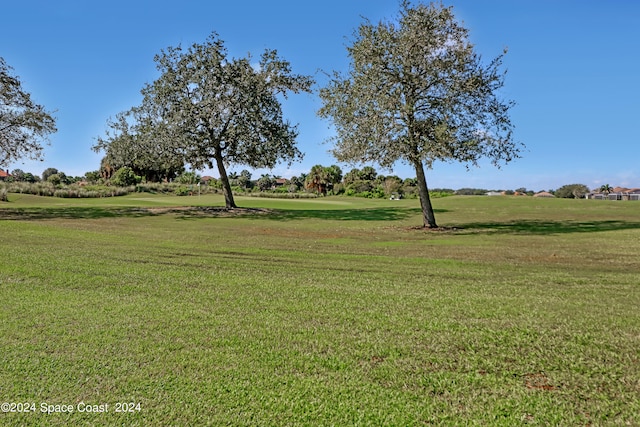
(70, 213)
(390, 214)
(370, 214)
(197, 212)
(542, 227)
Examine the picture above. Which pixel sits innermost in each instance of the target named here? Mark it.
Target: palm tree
(606, 189)
(317, 179)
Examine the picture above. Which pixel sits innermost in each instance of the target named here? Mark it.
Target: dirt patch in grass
(538, 381)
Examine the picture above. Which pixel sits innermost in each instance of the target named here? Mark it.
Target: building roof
(617, 190)
(543, 194)
(4, 174)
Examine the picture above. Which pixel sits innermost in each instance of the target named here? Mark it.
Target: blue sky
(573, 68)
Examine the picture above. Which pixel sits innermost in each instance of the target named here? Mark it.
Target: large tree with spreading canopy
(417, 92)
(216, 110)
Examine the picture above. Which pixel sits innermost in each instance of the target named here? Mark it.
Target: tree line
(320, 180)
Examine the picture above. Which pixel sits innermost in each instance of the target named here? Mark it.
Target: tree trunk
(226, 187)
(428, 217)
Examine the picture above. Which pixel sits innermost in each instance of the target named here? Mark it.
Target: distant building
(543, 194)
(618, 193)
(4, 174)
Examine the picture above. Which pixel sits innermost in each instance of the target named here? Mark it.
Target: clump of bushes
(125, 177)
(280, 195)
(155, 187)
(48, 189)
(183, 191)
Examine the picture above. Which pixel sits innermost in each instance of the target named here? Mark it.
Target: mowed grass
(334, 311)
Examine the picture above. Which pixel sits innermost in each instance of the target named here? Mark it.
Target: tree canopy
(212, 109)
(134, 141)
(24, 125)
(317, 179)
(417, 92)
(571, 191)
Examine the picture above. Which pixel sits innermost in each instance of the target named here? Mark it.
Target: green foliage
(281, 189)
(184, 191)
(266, 182)
(417, 92)
(318, 179)
(46, 188)
(471, 191)
(155, 187)
(338, 189)
(391, 185)
(24, 125)
(206, 109)
(572, 191)
(376, 193)
(242, 180)
(29, 177)
(125, 177)
(281, 195)
(605, 188)
(333, 175)
(189, 178)
(367, 173)
(18, 174)
(48, 172)
(360, 186)
(440, 193)
(93, 177)
(55, 179)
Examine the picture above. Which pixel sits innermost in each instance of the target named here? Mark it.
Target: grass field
(334, 311)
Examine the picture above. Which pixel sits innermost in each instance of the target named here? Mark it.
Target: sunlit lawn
(334, 311)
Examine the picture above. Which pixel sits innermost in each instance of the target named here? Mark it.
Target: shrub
(281, 189)
(183, 191)
(65, 193)
(125, 177)
(155, 187)
(55, 179)
(48, 172)
(375, 193)
(439, 193)
(69, 191)
(572, 191)
(282, 195)
(44, 189)
(409, 192)
(471, 192)
(189, 178)
(338, 189)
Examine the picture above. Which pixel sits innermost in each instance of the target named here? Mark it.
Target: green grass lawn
(333, 311)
